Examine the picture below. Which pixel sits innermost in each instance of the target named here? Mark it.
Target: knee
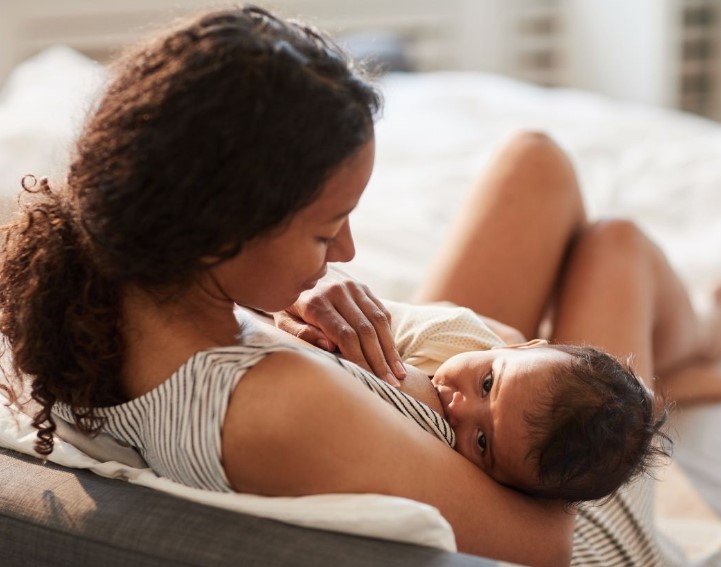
(532, 140)
(616, 238)
(543, 166)
(535, 145)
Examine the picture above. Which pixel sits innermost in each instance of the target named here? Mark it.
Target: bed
(658, 167)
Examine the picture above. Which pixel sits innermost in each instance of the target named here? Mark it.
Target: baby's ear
(527, 344)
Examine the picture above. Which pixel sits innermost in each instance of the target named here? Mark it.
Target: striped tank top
(177, 426)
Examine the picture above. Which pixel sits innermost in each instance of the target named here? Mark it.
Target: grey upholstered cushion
(55, 516)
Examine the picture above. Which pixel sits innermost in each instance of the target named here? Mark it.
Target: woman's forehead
(343, 188)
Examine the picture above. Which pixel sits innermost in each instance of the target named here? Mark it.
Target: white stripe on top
(177, 425)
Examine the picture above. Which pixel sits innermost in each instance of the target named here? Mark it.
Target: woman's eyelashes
(328, 240)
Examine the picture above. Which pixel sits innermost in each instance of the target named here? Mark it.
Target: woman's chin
(273, 305)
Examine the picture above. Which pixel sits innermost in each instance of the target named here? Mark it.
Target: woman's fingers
(308, 333)
(355, 323)
(348, 314)
(374, 330)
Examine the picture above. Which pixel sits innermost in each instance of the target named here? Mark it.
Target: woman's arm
(296, 425)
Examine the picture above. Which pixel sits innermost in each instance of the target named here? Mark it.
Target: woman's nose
(343, 248)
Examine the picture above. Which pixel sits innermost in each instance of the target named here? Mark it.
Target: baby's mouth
(443, 396)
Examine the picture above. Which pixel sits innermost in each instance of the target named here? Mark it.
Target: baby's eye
(481, 442)
(487, 384)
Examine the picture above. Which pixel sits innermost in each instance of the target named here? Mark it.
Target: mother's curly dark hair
(209, 135)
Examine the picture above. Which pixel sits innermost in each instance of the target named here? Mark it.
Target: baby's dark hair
(599, 428)
(210, 134)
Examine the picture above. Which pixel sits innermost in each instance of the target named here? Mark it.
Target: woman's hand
(341, 314)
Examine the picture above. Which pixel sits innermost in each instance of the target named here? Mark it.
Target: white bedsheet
(660, 168)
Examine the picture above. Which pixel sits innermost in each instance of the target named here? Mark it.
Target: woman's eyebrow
(340, 215)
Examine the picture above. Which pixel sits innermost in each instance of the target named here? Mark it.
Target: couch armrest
(50, 515)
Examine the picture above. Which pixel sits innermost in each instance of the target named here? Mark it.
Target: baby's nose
(457, 409)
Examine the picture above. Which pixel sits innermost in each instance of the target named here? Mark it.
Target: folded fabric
(427, 335)
(371, 515)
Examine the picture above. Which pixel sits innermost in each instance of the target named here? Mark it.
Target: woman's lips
(311, 283)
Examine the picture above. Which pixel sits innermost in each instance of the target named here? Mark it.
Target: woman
(219, 168)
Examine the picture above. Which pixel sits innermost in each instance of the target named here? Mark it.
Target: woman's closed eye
(328, 239)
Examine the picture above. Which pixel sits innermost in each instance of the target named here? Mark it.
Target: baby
(553, 421)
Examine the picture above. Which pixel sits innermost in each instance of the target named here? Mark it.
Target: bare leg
(693, 384)
(700, 381)
(503, 255)
(619, 293)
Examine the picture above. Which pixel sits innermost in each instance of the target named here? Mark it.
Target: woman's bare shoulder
(282, 409)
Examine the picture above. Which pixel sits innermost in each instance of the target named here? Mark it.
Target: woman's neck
(160, 335)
